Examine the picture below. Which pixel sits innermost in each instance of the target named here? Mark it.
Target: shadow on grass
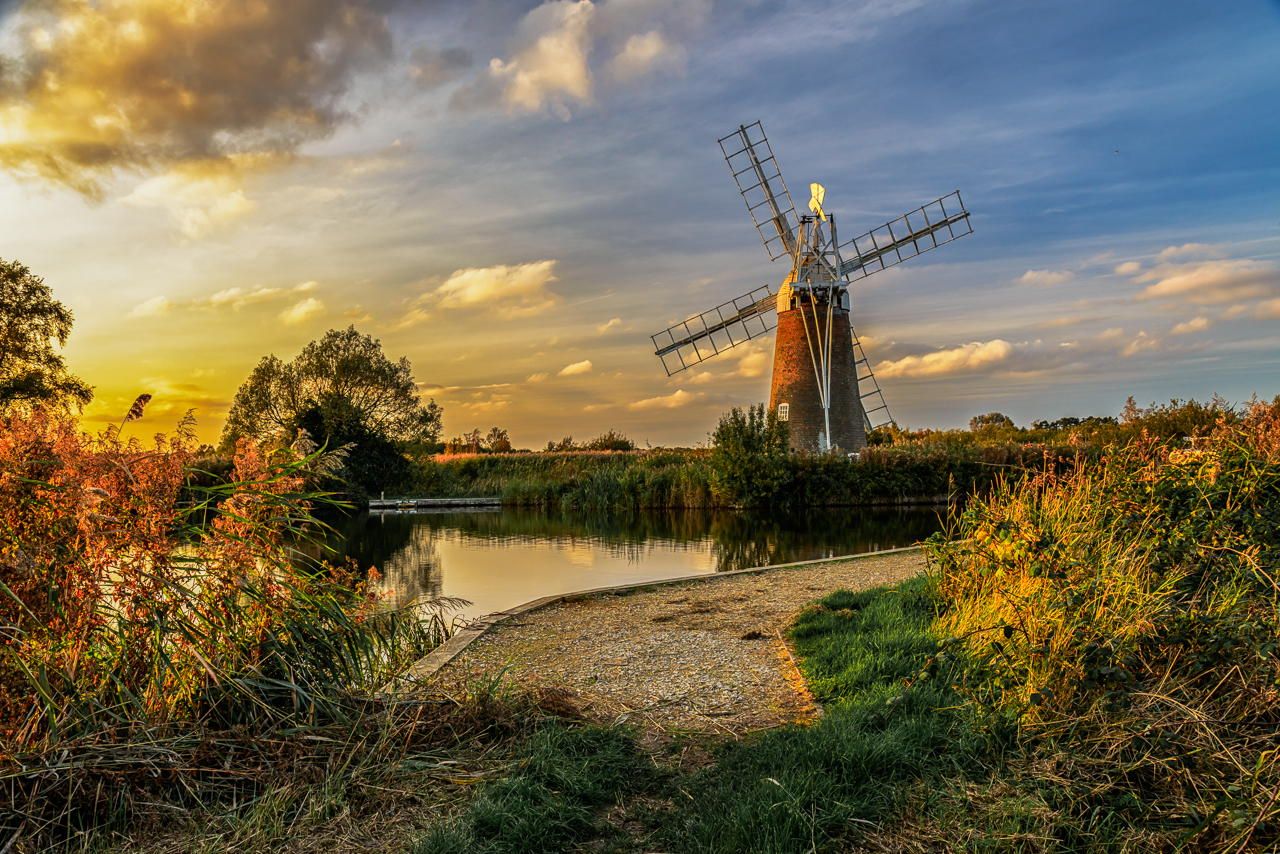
(891, 725)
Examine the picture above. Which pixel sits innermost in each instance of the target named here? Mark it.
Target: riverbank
(904, 475)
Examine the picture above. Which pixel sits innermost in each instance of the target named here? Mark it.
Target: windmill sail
(875, 410)
(915, 232)
(704, 335)
(756, 171)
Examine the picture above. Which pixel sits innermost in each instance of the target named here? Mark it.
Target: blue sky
(515, 195)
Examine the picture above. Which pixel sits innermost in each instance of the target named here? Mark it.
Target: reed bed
(163, 646)
(1125, 616)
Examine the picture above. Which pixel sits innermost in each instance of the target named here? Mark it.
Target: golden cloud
(967, 358)
(516, 290)
(1195, 324)
(153, 84)
(576, 369)
(676, 399)
(1210, 282)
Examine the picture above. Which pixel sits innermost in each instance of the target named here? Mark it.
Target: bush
(749, 457)
(1128, 614)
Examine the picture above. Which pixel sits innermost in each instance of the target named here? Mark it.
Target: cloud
(517, 290)
(1195, 324)
(611, 323)
(153, 307)
(199, 200)
(676, 399)
(1142, 343)
(1128, 268)
(967, 358)
(552, 61)
(645, 53)
(153, 84)
(431, 68)
(541, 376)
(575, 369)
(237, 298)
(301, 311)
(1268, 310)
(548, 67)
(1190, 250)
(1046, 277)
(1210, 282)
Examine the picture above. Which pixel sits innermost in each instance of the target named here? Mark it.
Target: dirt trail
(704, 656)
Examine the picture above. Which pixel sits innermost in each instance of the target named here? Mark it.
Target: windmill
(822, 382)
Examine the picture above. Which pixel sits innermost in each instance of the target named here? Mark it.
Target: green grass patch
(891, 722)
(556, 795)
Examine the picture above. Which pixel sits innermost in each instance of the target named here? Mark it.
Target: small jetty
(398, 505)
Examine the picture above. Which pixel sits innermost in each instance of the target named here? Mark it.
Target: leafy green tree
(344, 372)
(32, 372)
(749, 456)
(610, 440)
(990, 421)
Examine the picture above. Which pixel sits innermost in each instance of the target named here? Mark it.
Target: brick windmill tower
(822, 382)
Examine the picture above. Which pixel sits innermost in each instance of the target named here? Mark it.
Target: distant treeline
(687, 477)
(747, 464)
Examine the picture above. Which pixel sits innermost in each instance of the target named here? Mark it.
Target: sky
(516, 195)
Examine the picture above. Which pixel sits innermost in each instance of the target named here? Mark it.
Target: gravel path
(705, 655)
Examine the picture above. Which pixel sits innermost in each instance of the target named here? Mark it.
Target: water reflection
(498, 559)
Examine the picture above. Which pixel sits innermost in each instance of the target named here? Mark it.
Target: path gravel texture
(701, 656)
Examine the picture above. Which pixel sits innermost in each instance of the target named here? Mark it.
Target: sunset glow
(516, 198)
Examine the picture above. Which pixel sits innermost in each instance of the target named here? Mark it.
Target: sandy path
(704, 655)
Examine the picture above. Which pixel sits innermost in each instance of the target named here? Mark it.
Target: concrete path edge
(439, 657)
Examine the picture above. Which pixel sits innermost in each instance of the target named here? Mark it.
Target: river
(497, 559)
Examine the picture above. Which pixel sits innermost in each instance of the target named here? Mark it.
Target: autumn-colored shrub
(139, 614)
(1126, 616)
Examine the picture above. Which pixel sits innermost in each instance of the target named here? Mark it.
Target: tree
(31, 320)
(990, 421)
(345, 373)
(610, 440)
(498, 441)
(749, 456)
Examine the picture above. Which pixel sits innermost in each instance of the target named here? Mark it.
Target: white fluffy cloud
(644, 53)
(301, 311)
(1046, 277)
(200, 203)
(576, 369)
(1212, 282)
(1128, 268)
(676, 399)
(560, 47)
(515, 290)
(551, 66)
(967, 358)
(611, 323)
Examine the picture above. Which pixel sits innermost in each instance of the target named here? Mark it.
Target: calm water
(501, 558)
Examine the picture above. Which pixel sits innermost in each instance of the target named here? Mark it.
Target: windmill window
(784, 411)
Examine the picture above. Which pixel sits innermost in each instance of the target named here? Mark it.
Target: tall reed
(1126, 614)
